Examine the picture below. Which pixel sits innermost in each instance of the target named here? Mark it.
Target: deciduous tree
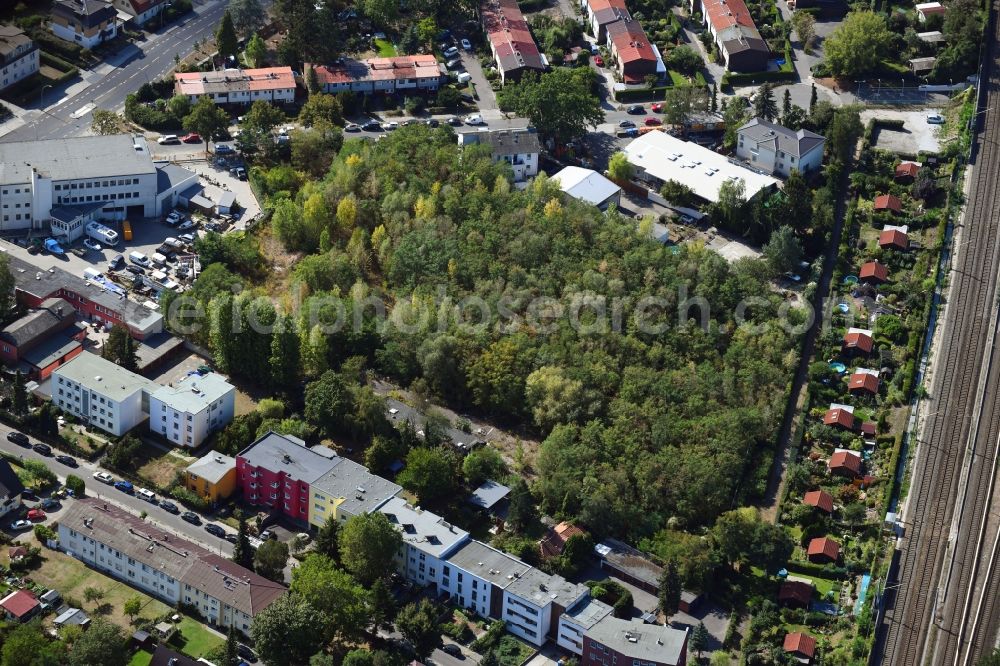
(103, 644)
(419, 626)
(207, 119)
(368, 544)
(270, 560)
(248, 15)
(334, 593)
(619, 168)
(783, 251)
(858, 45)
(561, 103)
(256, 50)
(429, 473)
(106, 122)
(285, 633)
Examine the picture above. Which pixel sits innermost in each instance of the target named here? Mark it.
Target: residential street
(130, 503)
(109, 85)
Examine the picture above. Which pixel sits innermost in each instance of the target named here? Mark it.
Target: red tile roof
(863, 381)
(839, 417)
(861, 341)
(819, 499)
(267, 78)
(873, 270)
(824, 547)
(795, 592)
(868, 428)
(379, 69)
(894, 238)
(847, 461)
(555, 539)
(598, 5)
(888, 202)
(724, 14)
(509, 35)
(630, 42)
(19, 603)
(907, 170)
(800, 643)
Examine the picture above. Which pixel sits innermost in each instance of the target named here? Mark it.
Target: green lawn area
(385, 48)
(194, 639)
(677, 78)
(141, 658)
(512, 651)
(823, 585)
(71, 577)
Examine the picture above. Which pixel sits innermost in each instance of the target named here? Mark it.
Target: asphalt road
(131, 503)
(71, 116)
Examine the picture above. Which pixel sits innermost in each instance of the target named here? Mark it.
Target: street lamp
(41, 93)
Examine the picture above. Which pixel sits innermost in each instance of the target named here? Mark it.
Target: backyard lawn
(385, 48)
(194, 639)
(141, 658)
(71, 577)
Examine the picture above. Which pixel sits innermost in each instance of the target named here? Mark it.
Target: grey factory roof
(170, 175)
(104, 377)
(587, 612)
(212, 466)
(489, 494)
(488, 563)
(541, 588)
(52, 349)
(75, 158)
(69, 212)
(636, 640)
(176, 557)
(795, 143)
(363, 492)
(194, 393)
(287, 454)
(45, 283)
(37, 322)
(422, 529)
(633, 562)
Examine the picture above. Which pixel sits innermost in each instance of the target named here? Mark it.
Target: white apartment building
(191, 410)
(517, 147)
(475, 576)
(577, 620)
(164, 565)
(70, 181)
(101, 393)
(533, 600)
(778, 150)
(19, 56)
(428, 539)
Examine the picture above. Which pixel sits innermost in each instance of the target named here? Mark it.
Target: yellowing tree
(347, 214)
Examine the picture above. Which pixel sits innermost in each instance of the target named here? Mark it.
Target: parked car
(466, 44)
(169, 506)
(124, 486)
(626, 123)
(599, 61)
(246, 653)
(935, 119)
(651, 121)
(193, 137)
(36, 514)
(454, 63)
(303, 537)
(117, 263)
(657, 107)
(139, 259)
(432, 122)
(19, 525)
(135, 270)
(224, 149)
(91, 244)
(451, 52)
(391, 126)
(104, 477)
(215, 530)
(167, 139)
(232, 537)
(19, 438)
(147, 495)
(49, 504)
(191, 517)
(455, 121)
(173, 218)
(451, 649)
(475, 119)
(372, 126)
(267, 534)
(636, 110)
(44, 449)
(186, 238)
(352, 127)
(241, 173)
(185, 225)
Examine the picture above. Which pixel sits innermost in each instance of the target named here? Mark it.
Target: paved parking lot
(917, 134)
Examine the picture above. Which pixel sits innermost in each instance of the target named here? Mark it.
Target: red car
(191, 138)
(653, 121)
(599, 61)
(36, 514)
(657, 108)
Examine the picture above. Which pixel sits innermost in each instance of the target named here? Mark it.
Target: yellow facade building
(213, 477)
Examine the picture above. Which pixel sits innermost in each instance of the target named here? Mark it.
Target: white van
(173, 242)
(159, 259)
(147, 495)
(102, 234)
(139, 259)
(168, 138)
(464, 77)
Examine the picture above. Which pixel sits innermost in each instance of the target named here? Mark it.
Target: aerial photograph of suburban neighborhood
(499, 332)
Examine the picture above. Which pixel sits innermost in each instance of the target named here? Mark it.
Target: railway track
(944, 601)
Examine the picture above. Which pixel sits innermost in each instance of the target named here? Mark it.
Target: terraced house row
(635, 56)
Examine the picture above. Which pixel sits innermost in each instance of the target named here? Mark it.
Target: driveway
(487, 98)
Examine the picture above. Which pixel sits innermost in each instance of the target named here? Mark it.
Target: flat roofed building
(588, 186)
(192, 409)
(574, 623)
(533, 603)
(476, 574)
(615, 641)
(238, 86)
(348, 490)
(428, 539)
(659, 157)
(102, 393)
(19, 56)
(163, 564)
(211, 477)
(278, 471)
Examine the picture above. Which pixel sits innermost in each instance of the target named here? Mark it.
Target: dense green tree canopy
(857, 45)
(560, 103)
